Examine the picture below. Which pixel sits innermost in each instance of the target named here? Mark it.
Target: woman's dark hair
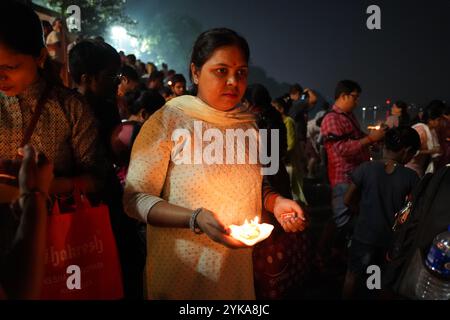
(447, 109)
(346, 87)
(434, 110)
(283, 104)
(131, 59)
(260, 96)
(149, 100)
(20, 28)
(46, 25)
(165, 91)
(130, 73)
(156, 75)
(295, 88)
(91, 57)
(178, 78)
(211, 40)
(268, 118)
(27, 37)
(404, 119)
(401, 105)
(402, 137)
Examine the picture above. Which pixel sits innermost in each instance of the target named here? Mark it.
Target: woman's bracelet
(193, 222)
(36, 193)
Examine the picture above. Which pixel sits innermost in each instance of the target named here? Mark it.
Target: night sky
(317, 43)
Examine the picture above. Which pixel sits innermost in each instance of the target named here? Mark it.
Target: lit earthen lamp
(251, 233)
(374, 127)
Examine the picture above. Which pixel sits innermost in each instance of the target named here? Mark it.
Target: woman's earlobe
(194, 73)
(194, 77)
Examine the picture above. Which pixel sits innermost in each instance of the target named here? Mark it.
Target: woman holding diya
(189, 206)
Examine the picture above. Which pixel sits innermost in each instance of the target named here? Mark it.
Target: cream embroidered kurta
(181, 264)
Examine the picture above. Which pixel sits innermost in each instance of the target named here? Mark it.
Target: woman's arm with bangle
(22, 272)
(24, 265)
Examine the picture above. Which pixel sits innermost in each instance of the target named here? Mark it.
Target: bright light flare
(118, 32)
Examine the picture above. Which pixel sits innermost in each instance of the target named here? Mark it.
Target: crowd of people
(110, 135)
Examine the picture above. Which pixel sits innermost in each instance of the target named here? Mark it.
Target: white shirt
(53, 38)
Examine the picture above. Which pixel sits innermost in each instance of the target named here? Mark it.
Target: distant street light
(364, 116)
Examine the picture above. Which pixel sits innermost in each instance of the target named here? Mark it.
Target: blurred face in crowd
(295, 95)
(47, 29)
(277, 107)
(155, 84)
(179, 88)
(348, 101)
(312, 100)
(103, 84)
(222, 79)
(420, 115)
(150, 67)
(18, 71)
(121, 89)
(396, 111)
(434, 123)
(125, 86)
(57, 25)
(404, 155)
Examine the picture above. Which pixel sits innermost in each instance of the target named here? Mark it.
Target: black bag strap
(333, 137)
(35, 118)
(429, 187)
(438, 178)
(398, 255)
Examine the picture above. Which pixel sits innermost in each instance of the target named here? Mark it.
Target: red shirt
(341, 133)
(444, 140)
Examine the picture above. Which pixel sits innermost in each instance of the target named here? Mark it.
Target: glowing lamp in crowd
(169, 83)
(251, 233)
(374, 127)
(118, 32)
(388, 101)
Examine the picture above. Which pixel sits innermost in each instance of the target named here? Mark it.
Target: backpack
(429, 216)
